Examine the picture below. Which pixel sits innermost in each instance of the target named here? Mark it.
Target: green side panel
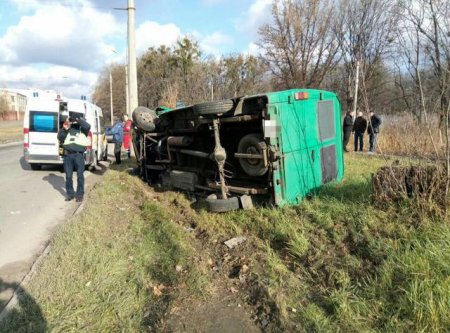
(305, 130)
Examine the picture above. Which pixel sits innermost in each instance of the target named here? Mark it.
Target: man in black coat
(373, 130)
(347, 127)
(359, 127)
(74, 138)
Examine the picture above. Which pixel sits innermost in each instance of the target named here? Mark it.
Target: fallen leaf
(233, 290)
(88, 284)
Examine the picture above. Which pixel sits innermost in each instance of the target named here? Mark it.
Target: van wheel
(35, 166)
(144, 118)
(214, 108)
(252, 144)
(222, 205)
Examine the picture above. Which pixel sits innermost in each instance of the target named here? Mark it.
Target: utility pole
(355, 101)
(132, 70)
(126, 92)
(111, 96)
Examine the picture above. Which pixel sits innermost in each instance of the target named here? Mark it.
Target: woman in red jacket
(127, 123)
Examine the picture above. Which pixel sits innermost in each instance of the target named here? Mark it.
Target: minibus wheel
(253, 144)
(222, 205)
(144, 118)
(214, 107)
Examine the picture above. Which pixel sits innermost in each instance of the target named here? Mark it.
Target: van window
(43, 121)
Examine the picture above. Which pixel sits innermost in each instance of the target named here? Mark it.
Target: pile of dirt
(395, 183)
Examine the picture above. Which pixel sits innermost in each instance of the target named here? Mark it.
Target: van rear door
(43, 142)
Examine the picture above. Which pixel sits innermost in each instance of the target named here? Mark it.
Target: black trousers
(74, 161)
(117, 151)
(359, 137)
(347, 135)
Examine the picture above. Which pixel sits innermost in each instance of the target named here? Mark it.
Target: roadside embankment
(141, 259)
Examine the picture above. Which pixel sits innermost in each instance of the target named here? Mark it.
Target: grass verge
(333, 263)
(11, 134)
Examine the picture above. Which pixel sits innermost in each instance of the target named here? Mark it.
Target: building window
(12, 99)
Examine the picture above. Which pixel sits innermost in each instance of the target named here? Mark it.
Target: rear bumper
(44, 159)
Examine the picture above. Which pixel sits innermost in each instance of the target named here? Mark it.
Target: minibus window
(43, 121)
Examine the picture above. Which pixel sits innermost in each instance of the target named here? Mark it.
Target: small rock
(294, 310)
(233, 290)
(88, 284)
(246, 202)
(264, 323)
(131, 258)
(239, 305)
(244, 269)
(122, 209)
(178, 268)
(233, 242)
(210, 262)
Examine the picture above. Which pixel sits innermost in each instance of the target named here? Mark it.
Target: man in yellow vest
(74, 138)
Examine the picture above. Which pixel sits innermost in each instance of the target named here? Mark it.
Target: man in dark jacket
(373, 130)
(347, 127)
(74, 138)
(359, 127)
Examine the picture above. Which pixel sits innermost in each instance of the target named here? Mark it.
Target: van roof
(43, 104)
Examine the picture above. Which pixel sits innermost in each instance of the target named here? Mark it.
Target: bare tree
(300, 45)
(365, 36)
(431, 20)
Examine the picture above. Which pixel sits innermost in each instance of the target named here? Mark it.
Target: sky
(63, 45)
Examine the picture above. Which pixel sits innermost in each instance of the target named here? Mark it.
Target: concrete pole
(126, 92)
(111, 96)
(132, 70)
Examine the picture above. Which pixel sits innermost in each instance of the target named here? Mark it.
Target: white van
(43, 119)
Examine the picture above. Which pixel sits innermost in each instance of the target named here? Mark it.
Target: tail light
(301, 96)
(89, 147)
(26, 138)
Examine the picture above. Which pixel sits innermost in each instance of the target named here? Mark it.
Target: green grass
(104, 266)
(341, 263)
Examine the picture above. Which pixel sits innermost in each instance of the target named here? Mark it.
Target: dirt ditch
(235, 300)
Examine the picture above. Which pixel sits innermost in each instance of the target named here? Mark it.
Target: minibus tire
(214, 107)
(255, 168)
(222, 205)
(144, 118)
(35, 166)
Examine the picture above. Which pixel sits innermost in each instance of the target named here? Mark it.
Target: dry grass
(11, 134)
(402, 135)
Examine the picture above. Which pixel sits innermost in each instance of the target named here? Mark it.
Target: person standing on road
(347, 127)
(359, 127)
(373, 130)
(127, 123)
(117, 132)
(74, 138)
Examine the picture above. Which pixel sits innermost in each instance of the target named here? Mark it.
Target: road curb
(10, 144)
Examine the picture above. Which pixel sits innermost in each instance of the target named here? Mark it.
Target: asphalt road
(31, 206)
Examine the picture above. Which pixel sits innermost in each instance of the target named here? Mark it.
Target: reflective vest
(79, 139)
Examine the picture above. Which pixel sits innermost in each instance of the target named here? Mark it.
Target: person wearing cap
(74, 139)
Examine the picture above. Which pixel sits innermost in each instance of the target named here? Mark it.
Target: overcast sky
(62, 45)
